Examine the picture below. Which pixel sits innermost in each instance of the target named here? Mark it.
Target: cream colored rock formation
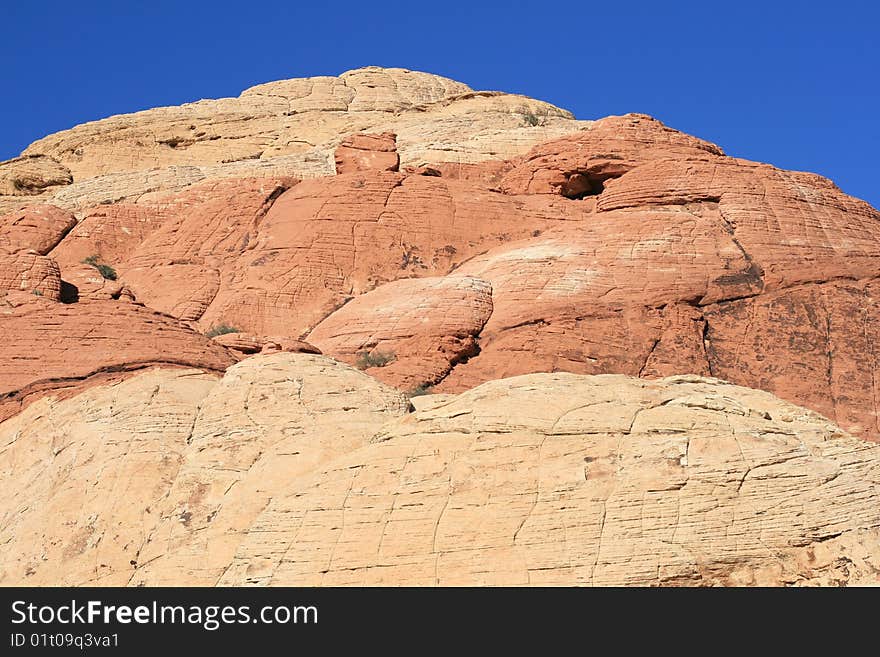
(284, 128)
(294, 469)
(31, 176)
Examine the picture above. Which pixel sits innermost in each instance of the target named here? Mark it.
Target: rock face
(245, 343)
(271, 257)
(777, 270)
(169, 279)
(50, 348)
(578, 165)
(180, 458)
(32, 175)
(430, 325)
(182, 266)
(25, 239)
(295, 470)
(368, 153)
(622, 247)
(29, 272)
(38, 227)
(284, 128)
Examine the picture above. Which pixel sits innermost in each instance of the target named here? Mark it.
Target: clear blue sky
(796, 84)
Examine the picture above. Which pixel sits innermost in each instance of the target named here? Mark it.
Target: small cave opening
(69, 292)
(580, 184)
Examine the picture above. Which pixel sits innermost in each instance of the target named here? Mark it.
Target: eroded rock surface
(611, 246)
(38, 227)
(29, 272)
(169, 279)
(296, 470)
(366, 152)
(283, 128)
(53, 348)
(31, 175)
(172, 458)
(429, 326)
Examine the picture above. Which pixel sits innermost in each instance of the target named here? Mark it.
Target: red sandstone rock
(626, 247)
(14, 301)
(365, 152)
(51, 348)
(423, 171)
(421, 326)
(248, 344)
(327, 240)
(297, 346)
(741, 244)
(794, 227)
(83, 281)
(640, 286)
(170, 251)
(245, 254)
(241, 342)
(818, 343)
(111, 232)
(36, 227)
(489, 174)
(578, 165)
(28, 271)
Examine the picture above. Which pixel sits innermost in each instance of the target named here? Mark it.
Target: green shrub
(221, 329)
(106, 271)
(531, 119)
(366, 359)
(37, 293)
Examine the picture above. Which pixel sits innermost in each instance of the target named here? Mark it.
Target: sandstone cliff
(289, 127)
(441, 240)
(293, 469)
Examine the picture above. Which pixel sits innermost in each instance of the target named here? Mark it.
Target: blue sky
(796, 84)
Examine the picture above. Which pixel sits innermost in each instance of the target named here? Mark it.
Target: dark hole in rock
(69, 292)
(580, 184)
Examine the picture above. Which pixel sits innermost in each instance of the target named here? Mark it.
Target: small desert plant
(221, 329)
(37, 293)
(366, 359)
(530, 119)
(107, 272)
(411, 259)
